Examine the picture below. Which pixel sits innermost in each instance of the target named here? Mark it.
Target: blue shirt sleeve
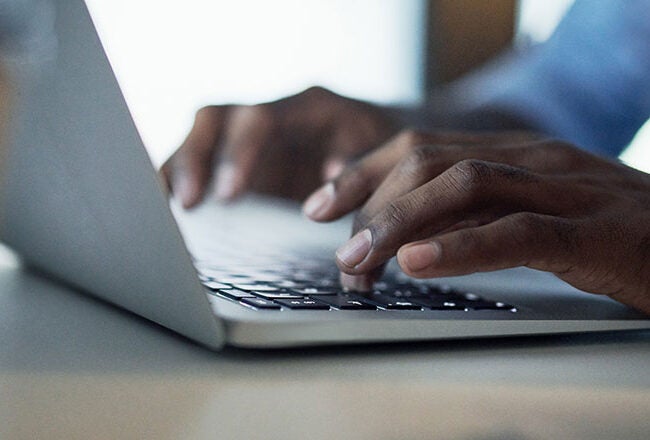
(588, 84)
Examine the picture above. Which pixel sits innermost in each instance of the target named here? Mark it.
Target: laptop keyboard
(306, 284)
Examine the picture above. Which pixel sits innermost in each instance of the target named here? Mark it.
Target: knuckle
(416, 162)
(471, 174)
(258, 117)
(398, 220)
(260, 113)
(208, 113)
(423, 154)
(316, 93)
(394, 215)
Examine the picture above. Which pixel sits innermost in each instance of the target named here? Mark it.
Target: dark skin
(284, 148)
(444, 203)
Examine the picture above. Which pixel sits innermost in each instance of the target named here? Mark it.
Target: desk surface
(72, 367)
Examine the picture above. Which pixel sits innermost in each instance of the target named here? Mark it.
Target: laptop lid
(82, 200)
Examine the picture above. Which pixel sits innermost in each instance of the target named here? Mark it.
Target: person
(513, 165)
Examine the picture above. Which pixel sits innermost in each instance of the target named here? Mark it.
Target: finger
(359, 179)
(351, 188)
(421, 156)
(427, 162)
(361, 283)
(522, 239)
(333, 167)
(413, 171)
(188, 171)
(247, 131)
(470, 189)
(364, 282)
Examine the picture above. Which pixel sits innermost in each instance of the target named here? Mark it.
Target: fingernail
(355, 250)
(318, 202)
(225, 182)
(420, 256)
(359, 283)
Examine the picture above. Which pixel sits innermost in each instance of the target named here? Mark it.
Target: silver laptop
(83, 204)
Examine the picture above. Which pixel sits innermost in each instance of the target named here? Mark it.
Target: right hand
(285, 148)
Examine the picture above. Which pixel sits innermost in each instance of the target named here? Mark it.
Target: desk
(74, 368)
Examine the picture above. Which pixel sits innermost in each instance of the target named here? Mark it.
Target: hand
(286, 148)
(451, 204)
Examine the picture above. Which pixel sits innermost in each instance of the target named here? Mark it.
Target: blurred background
(172, 57)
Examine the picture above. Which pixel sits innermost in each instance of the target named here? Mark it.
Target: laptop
(82, 203)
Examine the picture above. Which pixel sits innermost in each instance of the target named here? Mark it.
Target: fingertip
(187, 191)
(189, 203)
(318, 205)
(358, 283)
(417, 258)
(354, 251)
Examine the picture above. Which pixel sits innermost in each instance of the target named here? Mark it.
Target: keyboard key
(475, 302)
(316, 290)
(439, 290)
(258, 276)
(489, 305)
(290, 284)
(345, 302)
(390, 303)
(235, 294)
(328, 282)
(260, 303)
(278, 295)
(401, 292)
(214, 285)
(301, 284)
(303, 304)
(437, 303)
(258, 287)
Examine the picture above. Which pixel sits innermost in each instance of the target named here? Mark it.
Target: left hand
(453, 204)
